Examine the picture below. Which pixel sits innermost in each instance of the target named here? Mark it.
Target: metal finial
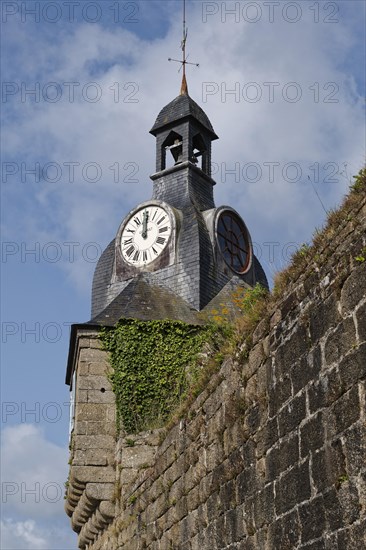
(184, 62)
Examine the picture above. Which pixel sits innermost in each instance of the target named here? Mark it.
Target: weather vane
(184, 62)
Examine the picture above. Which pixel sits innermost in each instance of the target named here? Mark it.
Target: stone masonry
(91, 484)
(271, 455)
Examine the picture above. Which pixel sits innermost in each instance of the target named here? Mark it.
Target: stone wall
(91, 485)
(272, 454)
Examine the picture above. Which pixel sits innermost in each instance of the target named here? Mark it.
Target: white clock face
(145, 235)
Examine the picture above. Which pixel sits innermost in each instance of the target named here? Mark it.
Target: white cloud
(34, 471)
(16, 535)
(31, 535)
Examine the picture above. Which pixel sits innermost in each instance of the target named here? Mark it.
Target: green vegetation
(362, 256)
(360, 182)
(252, 307)
(343, 478)
(132, 500)
(153, 364)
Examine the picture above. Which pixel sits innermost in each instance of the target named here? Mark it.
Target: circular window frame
(225, 211)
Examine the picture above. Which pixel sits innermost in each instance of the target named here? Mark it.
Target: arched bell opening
(173, 145)
(199, 152)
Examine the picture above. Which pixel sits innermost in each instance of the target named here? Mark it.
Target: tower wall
(90, 495)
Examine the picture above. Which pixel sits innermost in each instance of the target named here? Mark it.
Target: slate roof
(181, 107)
(141, 299)
(260, 276)
(102, 278)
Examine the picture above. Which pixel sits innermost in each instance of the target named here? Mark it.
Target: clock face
(234, 241)
(145, 235)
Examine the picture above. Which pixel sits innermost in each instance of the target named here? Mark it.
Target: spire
(184, 62)
(184, 85)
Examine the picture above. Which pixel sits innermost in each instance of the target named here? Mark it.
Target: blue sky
(282, 85)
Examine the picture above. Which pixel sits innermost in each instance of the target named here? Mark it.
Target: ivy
(153, 364)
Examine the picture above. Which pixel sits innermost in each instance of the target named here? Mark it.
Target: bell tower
(183, 133)
(178, 241)
(183, 146)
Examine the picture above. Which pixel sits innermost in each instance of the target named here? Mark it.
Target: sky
(82, 83)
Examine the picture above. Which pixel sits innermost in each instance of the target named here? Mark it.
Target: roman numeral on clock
(130, 251)
(160, 240)
(163, 229)
(137, 221)
(161, 219)
(144, 256)
(136, 256)
(127, 241)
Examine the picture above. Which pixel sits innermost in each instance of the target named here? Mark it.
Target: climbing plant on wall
(152, 365)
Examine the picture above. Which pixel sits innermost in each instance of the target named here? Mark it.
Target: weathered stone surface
(91, 412)
(293, 488)
(291, 351)
(323, 316)
(333, 510)
(346, 410)
(99, 368)
(282, 456)
(98, 396)
(291, 415)
(325, 390)
(355, 444)
(264, 506)
(328, 466)
(261, 331)
(354, 289)
(90, 457)
(94, 382)
(267, 436)
(92, 355)
(256, 357)
(340, 341)
(305, 370)
(94, 442)
(312, 434)
(312, 518)
(353, 366)
(100, 491)
(361, 322)
(94, 474)
(279, 394)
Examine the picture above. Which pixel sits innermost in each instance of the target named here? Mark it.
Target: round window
(234, 241)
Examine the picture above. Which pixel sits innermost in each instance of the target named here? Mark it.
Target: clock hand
(144, 224)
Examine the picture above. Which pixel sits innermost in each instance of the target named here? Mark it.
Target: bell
(177, 151)
(195, 156)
